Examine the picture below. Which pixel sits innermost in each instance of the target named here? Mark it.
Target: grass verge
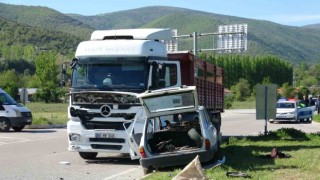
(48, 113)
(316, 118)
(250, 104)
(248, 155)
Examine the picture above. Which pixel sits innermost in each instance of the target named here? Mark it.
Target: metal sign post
(266, 100)
(230, 39)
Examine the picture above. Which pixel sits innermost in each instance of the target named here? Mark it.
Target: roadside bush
(40, 121)
(228, 100)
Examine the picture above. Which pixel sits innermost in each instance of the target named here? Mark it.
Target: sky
(286, 12)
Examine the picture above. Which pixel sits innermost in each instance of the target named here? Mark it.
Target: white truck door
(164, 74)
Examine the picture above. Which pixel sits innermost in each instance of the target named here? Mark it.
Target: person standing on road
(305, 101)
(318, 104)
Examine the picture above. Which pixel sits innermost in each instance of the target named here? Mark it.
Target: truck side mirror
(73, 63)
(154, 75)
(63, 74)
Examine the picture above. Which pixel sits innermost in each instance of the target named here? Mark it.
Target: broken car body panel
(161, 102)
(176, 130)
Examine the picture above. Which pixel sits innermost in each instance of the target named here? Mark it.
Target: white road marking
(26, 140)
(122, 173)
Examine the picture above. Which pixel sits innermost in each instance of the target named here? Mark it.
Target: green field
(248, 155)
(49, 113)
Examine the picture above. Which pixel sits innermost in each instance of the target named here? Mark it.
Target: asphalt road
(42, 153)
(243, 122)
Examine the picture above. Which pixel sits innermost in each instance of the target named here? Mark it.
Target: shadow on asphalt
(35, 131)
(120, 159)
(291, 122)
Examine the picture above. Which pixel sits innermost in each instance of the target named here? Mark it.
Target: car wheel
(18, 128)
(147, 170)
(4, 124)
(88, 155)
(310, 119)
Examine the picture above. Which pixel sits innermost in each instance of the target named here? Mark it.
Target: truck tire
(88, 155)
(5, 124)
(17, 128)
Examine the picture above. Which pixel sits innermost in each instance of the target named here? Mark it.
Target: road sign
(266, 101)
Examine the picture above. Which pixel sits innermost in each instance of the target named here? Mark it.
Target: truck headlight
(74, 137)
(292, 112)
(18, 113)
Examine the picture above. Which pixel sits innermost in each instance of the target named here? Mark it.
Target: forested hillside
(18, 41)
(45, 18)
(294, 44)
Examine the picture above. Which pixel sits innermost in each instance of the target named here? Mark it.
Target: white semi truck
(108, 71)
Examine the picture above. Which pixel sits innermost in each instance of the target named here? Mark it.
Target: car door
(211, 131)
(134, 132)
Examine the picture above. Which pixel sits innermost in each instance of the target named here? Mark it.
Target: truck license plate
(104, 135)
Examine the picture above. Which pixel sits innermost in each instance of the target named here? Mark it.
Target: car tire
(17, 128)
(147, 170)
(310, 119)
(195, 136)
(88, 155)
(5, 124)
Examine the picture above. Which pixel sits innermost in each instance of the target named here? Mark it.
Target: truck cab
(108, 71)
(12, 114)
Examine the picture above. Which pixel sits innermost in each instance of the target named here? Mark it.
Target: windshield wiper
(87, 86)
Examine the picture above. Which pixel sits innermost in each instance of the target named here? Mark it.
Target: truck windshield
(5, 99)
(124, 74)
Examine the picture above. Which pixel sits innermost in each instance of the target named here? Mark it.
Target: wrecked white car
(176, 130)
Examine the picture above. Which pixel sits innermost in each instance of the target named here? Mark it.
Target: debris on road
(192, 171)
(65, 162)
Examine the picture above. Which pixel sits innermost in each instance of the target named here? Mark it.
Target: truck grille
(110, 140)
(104, 125)
(111, 147)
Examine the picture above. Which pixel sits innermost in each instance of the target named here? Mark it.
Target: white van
(12, 114)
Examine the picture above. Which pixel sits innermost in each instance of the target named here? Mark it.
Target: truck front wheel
(5, 124)
(18, 128)
(88, 155)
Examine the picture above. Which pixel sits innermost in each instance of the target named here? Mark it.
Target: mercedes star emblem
(105, 110)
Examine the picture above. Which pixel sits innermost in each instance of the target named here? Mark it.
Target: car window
(286, 105)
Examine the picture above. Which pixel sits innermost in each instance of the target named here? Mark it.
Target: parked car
(176, 129)
(12, 114)
(293, 110)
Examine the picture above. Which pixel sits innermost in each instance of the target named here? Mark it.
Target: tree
(46, 77)
(288, 91)
(242, 90)
(9, 81)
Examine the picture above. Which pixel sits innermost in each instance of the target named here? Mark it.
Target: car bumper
(175, 159)
(20, 121)
(286, 117)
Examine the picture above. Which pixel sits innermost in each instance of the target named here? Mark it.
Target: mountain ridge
(291, 43)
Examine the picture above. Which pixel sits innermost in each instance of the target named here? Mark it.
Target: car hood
(19, 108)
(168, 101)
